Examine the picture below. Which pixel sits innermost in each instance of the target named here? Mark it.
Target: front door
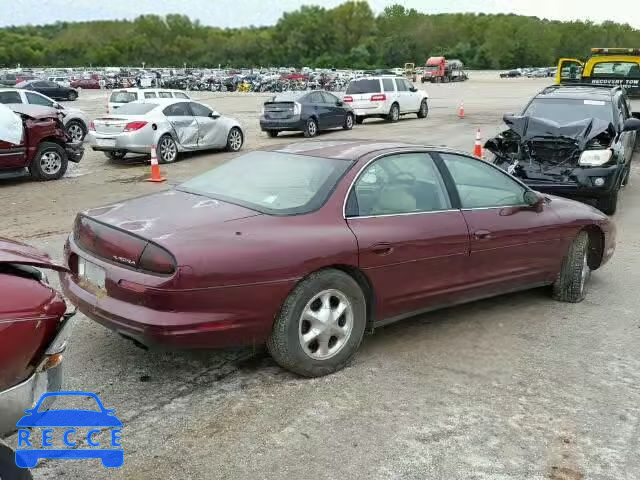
(320, 110)
(211, 134)
(512, 244)
(337, 112)
(184, 124)
(413, 245)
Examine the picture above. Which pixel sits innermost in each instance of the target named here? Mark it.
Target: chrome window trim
(404, 214)
(377, 157)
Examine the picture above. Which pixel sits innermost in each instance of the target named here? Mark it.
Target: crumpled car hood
(528, 128)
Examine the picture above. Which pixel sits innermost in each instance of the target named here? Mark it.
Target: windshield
(271, 182)
(123, 97)
(431, 68)
(364, 86)
(562, 110)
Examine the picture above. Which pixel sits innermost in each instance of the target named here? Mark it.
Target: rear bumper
(136, 142)
(375, 111)
(292, 124)
(46, 378)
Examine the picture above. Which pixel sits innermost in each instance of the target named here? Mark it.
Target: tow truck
(604, 66)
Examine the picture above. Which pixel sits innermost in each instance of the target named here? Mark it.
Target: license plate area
(106, 142)
(91, 276)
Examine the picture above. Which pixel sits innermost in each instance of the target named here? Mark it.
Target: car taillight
(378, 98)
(133, 126)
(156, 259)
(92, 126)
(348, 99)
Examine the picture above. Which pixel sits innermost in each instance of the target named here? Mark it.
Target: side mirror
(631, 125)
(214, 115)
(339, 103)
(413, 89)
(532, 198)
(57, 106)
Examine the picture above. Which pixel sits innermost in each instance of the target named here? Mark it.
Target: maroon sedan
(308, 246)
(34, 331)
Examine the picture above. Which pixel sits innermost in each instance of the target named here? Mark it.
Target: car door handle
(482, 235)
(382, 249)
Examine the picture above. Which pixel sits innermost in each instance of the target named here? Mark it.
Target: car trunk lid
(279, 110)
(114, 125)
(13, 252)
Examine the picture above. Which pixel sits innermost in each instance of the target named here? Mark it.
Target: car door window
(481, 185)
(387, 84)
(398, 184)
(40, 84)
(407, 85)
(35, 99)
(10, 97)
(402, 87)
(178, 110)
(180, 95)
(164, 95)
(315, 97)
(149, 94)
(329, 98)
(200, 110)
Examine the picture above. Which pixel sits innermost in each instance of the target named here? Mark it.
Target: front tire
(167, 149)
(76, 130)
(394, 113)
(235, 139)
(72, 96)
(348, 122)
(609, 204)
(50, 162)
(424, 109)
(320, 325)
(570, 284)
(311, 128)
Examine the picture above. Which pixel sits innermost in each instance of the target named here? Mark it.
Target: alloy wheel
(311, 127)
(586, 271)
(325, 324)
(51, 162)
(395, 113)
(75, 132)
(168, 150)
(235, 140)
(349, 122)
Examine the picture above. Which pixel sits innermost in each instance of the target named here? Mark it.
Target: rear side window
(387, 83)
(10, 97)
(165, 95)
(402, 87)
(180, 95)
(149, 94)
(364, 86)
(178, 110)
(123, 97)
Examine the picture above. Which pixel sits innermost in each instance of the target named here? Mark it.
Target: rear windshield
(123, 97)
(364, 86)
(616, 70)
(271, 182)
(136, 108)
(562, 110)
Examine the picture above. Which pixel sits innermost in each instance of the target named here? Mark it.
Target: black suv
(575, 141)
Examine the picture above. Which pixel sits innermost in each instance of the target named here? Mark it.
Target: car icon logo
(104, 429)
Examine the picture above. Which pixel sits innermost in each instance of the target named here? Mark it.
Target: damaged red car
(308, 246)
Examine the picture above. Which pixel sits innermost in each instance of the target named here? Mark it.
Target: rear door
(211, 133)
(184, 123)
(412, 244)
(569, 71)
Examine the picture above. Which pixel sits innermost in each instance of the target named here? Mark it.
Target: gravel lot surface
(516, 387)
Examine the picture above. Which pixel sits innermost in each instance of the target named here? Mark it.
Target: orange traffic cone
(477, 148)
(461, 110)
(155, 169)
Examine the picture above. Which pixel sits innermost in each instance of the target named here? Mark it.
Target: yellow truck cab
(605, 66)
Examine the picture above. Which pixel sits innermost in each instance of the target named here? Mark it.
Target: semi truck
(441, 70)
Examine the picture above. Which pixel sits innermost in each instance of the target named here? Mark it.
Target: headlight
(594, 158)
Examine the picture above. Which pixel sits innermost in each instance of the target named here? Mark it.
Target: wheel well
(367, 289)
(55, 140)
(77, 120)
(596, 246)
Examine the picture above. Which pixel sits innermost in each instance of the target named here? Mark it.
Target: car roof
(578, 92)
(350, 149)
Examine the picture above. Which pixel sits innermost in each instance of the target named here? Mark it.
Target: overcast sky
(238, 13)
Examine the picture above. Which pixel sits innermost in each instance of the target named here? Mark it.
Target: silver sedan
(171, 125)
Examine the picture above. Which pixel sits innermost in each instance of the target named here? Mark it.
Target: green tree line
(348, 36)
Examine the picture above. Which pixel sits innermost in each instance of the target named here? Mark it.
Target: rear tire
(424, 109)
(394, 113)
(50, 162)
(324, 292)
(311, 128)
(273, 133)
(609, 204)
(167, 149)
(348, 122)
(570, 284)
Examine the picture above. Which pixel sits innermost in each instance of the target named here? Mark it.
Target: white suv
(385, 97)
